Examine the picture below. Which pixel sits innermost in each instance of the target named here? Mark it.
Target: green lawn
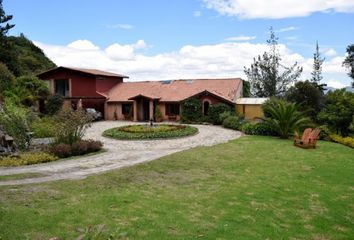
(250, 188)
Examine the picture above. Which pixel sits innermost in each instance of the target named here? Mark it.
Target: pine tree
(4, 25)
(267, 76)
(317, 66)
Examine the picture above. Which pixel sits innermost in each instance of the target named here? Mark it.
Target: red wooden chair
(308, 139)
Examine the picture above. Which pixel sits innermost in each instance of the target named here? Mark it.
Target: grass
(21, 176)
(162, 131)
(250, 188)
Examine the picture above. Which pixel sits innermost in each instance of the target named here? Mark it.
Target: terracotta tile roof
(175, 90)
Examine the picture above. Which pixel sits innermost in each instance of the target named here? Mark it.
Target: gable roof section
(93, 72)
(175, 90)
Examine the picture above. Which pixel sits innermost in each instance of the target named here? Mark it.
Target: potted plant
(158, 114)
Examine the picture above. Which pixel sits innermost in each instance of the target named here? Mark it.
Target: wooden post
(135, 112)
(151, 109)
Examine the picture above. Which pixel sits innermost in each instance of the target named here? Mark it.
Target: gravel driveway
(119, 153)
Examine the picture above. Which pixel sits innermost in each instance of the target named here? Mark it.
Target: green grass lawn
(250, 188)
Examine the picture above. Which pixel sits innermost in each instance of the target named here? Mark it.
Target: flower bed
(136, 132)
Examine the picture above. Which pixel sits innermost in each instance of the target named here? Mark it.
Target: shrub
(54, 104)
(233, 122)
(224, 115)
(43, 127)
(61, 150)
(325, 132)
(263, 129)
(71, 125)
(16, 121)
(248, 128)
(348, 141)
(216, 110)
(191, 111)
(284, 118)
(80, 147)
(27, 159)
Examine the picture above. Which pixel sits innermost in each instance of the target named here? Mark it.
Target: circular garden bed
(145, 131)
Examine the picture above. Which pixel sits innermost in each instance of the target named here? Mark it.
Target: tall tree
(267, 76)
(4, 25)
(317, 66)
(349, 62)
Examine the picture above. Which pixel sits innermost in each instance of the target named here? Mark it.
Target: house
(74, 84)
(139, 101)
(250, 108)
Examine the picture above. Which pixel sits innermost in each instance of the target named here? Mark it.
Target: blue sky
(175, 33)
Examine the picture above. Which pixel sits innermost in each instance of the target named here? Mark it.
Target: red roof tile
(175, 90)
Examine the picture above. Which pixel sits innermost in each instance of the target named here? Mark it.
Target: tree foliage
(338, 112)
(5, 26)
(317, 66)
(284, 118)
(7, 79)
(349, 61)
(308, 96)
(191, 110)
(267, 76)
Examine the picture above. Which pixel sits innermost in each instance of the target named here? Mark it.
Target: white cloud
(197, 13)
(330, 52)
(218, 60)
(83, 45)
(335, 83)
(121, 26)
(277, 8)
(240, 38)
(287, 29)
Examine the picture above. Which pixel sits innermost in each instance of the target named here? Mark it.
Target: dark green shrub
(191, 111)
(7, 79)
(263, 129)
(216, 110)
(233, 122)
(225, 115)
(54, 104)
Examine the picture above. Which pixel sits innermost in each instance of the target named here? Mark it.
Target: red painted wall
(107, 83)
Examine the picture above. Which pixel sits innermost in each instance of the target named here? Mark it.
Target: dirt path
(119, 154)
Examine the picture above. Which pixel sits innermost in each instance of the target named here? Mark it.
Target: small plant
(347, 141)
(158, 114)
(27, 159)
(43, 127)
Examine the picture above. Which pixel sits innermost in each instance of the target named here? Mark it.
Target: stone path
(119, 154)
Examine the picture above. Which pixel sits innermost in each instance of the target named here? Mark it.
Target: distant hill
(22, 57)
(348, 89)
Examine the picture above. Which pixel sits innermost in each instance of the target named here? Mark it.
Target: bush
(347, 141)
(191, 111)
(16, 121)
(158, 114)
(61, 150)
(325, 132)
(43, 127)
(261, 128)
(27, 159)
(71, 125)
(7, 79)
(54, 104)
(81, 147)
(216, 110)
(284, 117)
(233, 122)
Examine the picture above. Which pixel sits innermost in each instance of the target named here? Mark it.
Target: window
(172, 109)
(206, 105)
(62, 87)
(126, 108)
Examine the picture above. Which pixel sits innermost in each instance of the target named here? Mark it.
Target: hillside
(22, 57)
